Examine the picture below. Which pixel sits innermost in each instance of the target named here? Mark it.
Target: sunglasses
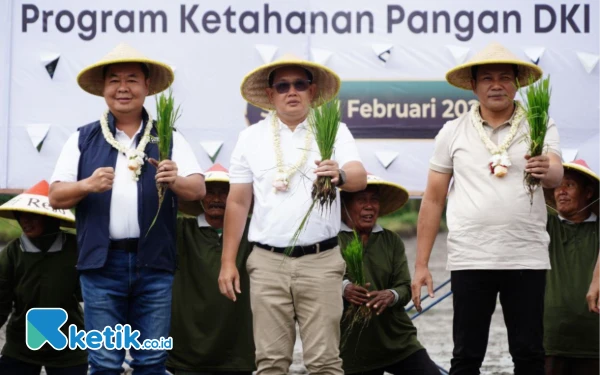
(299, 85)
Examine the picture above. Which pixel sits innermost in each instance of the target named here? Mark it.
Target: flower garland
(284, 175)
(135, 157)
(499, 162)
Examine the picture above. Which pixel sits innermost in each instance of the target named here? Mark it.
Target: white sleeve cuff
(345, 283)
(396, 297)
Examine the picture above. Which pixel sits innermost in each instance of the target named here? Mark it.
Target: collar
(302, 125)
(344, 228)
(120, 132)
(28, 247)
(202, 223)
(591, 219)
(506, 123)
(115, 131)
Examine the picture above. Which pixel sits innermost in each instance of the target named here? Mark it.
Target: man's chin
(216, 213)
(367, 227)
(297, 110)
(498, 105)
(125, 109)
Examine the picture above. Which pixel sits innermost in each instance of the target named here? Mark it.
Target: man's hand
(166, 171)
(592, 297)
(328, 168)
(356, 295)
(538, 166)
(422, 277)
(229, 281)
(101, 180)
(380, 299)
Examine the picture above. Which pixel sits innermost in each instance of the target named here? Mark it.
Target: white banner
(375, 45)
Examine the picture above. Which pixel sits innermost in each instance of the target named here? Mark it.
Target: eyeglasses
(299, 85)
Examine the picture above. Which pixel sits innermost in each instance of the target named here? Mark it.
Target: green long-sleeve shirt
(570, 330)
(210, 332)
(40, 279)
(391, 336)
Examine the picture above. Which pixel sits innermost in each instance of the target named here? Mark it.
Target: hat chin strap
(584, 208)
(348, 214)
(594, 202)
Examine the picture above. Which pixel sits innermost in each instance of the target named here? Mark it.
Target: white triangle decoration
(569, 154)
(535, 53)
(266, 51)
(37, 133)
(383, 51)
(386, 158)
(48, 57)
(459, 53)
(588, 60)
(212, 148)
(320, 56)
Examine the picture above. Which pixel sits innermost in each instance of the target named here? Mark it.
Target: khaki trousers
(284, 290)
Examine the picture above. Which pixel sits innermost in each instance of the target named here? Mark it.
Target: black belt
(298, 251)
(130, 245)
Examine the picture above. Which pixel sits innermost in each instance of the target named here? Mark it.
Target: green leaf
(353, 255)
(166, 116)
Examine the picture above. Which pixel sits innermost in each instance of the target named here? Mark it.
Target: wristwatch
(341, 178)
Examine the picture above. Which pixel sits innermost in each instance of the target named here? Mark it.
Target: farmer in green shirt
(38, 270)
(570, 322)
(210, 334)
(389, 341)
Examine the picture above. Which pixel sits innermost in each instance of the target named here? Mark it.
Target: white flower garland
(499, 162)
(135, 157)
(284, 175)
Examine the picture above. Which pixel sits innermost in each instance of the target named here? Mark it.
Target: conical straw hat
(254, 83)
(391, 196)
(91, 79)
(494, 53)
(579, 166)
(35, 200)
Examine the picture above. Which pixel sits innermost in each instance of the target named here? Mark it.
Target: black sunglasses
(299, 85)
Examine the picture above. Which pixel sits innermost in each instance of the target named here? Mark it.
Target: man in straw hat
(126, 270)
(497, 240)
(570, 324)
(389, 342)
(211, 334)
(38, 270)
(274, 161)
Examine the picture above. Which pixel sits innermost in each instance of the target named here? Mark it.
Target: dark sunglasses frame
(299, 85)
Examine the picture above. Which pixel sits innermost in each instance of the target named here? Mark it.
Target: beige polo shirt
(490, 220)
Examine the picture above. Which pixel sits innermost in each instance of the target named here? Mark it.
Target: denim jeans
(121, 293)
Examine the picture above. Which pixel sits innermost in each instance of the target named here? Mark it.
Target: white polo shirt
(277, 215)
(123, 205)
(491, 224)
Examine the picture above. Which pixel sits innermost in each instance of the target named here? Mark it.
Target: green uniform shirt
(390, 337)
(570, 330)
(210, 332)
(40, 279)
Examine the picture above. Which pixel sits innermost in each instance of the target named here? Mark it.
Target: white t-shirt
(277, 215)
(123, 205)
